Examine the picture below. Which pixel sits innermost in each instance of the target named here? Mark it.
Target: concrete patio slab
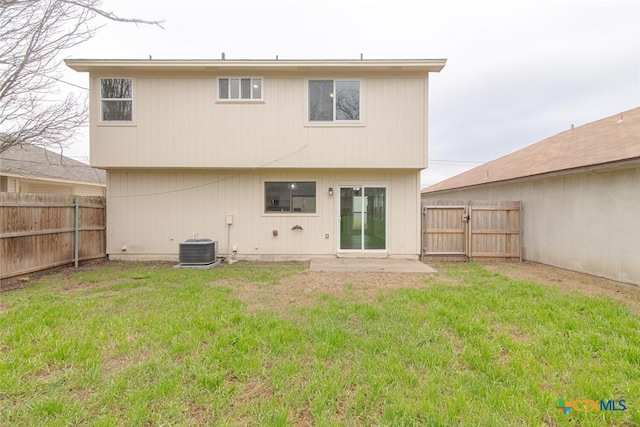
(391, 265)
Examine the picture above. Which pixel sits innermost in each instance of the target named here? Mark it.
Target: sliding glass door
(363, 217)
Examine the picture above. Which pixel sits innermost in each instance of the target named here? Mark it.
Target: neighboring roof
(606, 142)
(297, 65)
(30, 161)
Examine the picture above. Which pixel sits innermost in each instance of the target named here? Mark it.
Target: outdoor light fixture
(331, 191)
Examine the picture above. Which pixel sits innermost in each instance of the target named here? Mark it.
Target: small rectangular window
(321, 100)
(245, 88)
(235, 88)
(334, 100)
(290, 197)
(223, 88)
(116, 99)
(347, 100)
(256, 89)
(239, 89)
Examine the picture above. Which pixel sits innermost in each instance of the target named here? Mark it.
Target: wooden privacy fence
(40, 231)
(471, 230)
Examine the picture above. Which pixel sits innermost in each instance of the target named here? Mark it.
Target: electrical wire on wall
(217, 181)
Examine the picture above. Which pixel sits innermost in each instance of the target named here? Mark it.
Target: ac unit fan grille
(198, 251)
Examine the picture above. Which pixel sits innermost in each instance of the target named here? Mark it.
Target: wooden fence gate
(471, 230)
(40, 231)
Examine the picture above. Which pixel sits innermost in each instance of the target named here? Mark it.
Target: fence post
(423, 214)
(520, 230)
(470, 203)
(76, 232)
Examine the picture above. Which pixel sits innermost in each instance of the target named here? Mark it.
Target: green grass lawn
(135, 345)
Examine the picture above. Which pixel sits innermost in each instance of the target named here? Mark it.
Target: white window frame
(290, 212)
(364, 184)
(334, 121)
(240, 99)
(101, 99)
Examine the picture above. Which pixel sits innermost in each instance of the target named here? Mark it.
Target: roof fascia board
(52, 180)
(398, 65)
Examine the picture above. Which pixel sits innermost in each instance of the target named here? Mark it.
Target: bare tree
(33, 33)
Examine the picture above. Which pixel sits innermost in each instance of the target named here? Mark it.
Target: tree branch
(112, 16)
(33, 33)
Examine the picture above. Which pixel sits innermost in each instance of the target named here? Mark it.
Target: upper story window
(116, 99)
(239, 89)
(334, 100)
(290, 197)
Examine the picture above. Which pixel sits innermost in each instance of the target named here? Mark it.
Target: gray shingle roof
(31, 161)
(612, 140)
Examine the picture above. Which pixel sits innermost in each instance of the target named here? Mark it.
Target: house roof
(31, 161)
(297, 65)
(608, 142)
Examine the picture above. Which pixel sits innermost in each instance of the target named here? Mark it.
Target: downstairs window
(290, 197)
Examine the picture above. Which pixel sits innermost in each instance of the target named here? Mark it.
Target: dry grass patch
(115, 364)
(78, 286)
(513, 332)
(254, 389)
(49, 374)
(306, 287)
(570, 282)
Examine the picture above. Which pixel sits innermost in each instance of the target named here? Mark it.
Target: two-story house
(271, 158)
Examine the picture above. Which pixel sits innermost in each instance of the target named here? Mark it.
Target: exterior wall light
(331, 191)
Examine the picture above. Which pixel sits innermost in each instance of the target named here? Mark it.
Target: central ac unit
(198, 251)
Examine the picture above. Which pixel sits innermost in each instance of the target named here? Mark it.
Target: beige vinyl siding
(44, 188)
(150, 212)
(89, 190)
(585, 222)
(25, 185)
(179, 124)
(11, 184)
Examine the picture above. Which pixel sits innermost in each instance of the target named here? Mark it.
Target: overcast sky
(517, 71)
